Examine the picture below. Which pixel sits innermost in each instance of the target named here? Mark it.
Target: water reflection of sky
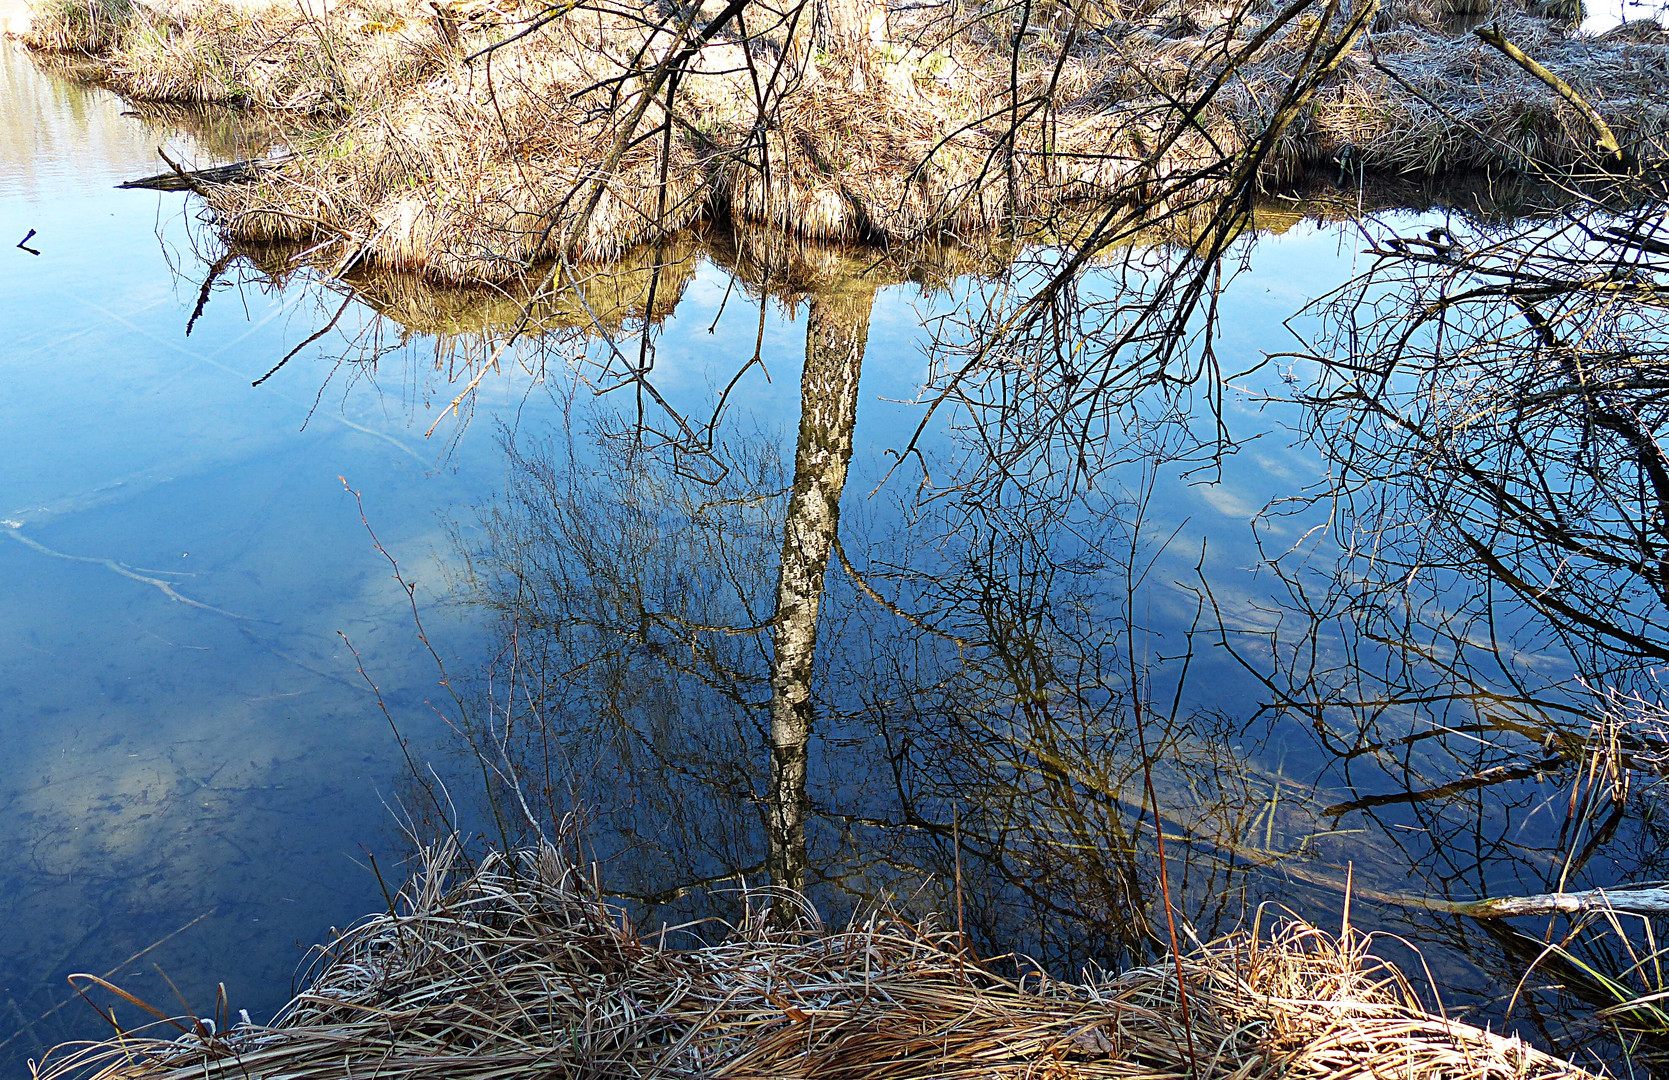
(165, 761)
(223, 761)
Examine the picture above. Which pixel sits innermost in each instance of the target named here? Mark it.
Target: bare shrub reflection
(1478, 579)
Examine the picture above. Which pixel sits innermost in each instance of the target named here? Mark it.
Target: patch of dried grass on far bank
(405, 155)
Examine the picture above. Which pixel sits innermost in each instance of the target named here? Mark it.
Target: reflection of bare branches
(1004, 694)
(634, 596)
(1497, 413)
(970, 674)
(1480, 577)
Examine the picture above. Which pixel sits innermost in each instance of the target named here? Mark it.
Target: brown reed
(476, 171)
(518, 968)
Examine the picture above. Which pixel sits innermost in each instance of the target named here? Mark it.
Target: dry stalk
(520, 969)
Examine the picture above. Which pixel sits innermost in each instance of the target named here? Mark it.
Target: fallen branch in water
(178, 179)
(1632, 900)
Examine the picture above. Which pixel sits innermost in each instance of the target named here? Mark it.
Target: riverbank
(469, 142)
(618, 294)
(519, 968)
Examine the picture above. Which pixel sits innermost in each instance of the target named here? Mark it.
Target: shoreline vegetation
(519, 967)
(478, 141)
(612, 296)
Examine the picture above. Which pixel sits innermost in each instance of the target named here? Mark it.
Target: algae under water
(196, 762)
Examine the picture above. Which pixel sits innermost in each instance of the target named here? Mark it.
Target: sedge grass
(475, 172)
(518, 968)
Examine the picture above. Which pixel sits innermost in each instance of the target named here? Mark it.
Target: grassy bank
(517, 968)
(413, 147)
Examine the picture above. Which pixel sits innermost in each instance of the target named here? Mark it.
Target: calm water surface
(187, 741)
(197, 772)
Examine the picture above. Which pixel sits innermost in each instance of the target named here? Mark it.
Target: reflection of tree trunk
(837, 329)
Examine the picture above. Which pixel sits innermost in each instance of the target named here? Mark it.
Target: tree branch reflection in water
(1480, 591)
(668, 612)
(974, 664)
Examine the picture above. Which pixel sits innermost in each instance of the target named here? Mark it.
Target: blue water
(194, 767)
(197, 768)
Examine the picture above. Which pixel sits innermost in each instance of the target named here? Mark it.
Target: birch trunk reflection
(837, 329)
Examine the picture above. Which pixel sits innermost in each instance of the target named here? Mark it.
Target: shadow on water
(908, 588)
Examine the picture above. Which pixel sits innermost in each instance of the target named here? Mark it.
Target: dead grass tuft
(519, 969)
(476, 172)
(76, 26)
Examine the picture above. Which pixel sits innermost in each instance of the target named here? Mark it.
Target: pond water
(187, 740)
(1168, 595)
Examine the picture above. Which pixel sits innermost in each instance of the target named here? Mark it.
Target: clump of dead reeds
(409, 154)
(518, 968)
(77, 26)
(309, 58)
(1427, 102)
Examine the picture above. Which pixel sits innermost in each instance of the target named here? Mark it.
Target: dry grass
(476, 172)
(519, 969)
(67, 26)
(1431, 104)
